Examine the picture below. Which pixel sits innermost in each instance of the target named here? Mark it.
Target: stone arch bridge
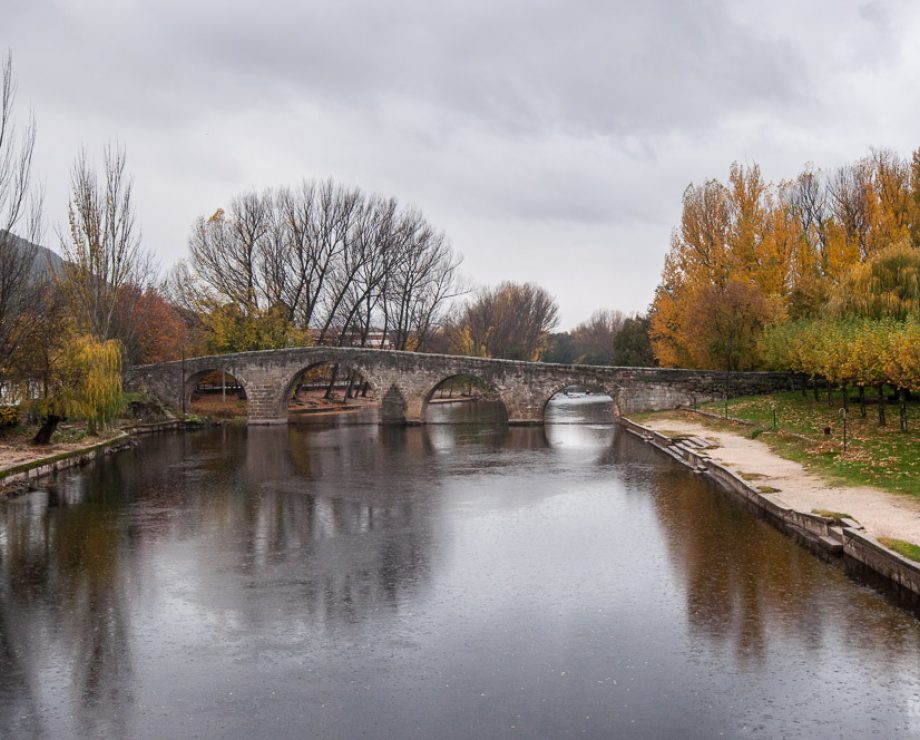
(405, 381)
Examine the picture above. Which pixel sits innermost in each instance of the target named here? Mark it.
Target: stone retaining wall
(820, 534)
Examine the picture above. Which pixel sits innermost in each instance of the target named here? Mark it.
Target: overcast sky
(551, 141)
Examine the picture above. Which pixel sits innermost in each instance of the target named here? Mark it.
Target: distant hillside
(44, 262)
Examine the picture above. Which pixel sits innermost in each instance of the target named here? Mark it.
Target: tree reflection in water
(745, 586)
(66, 612)
(357, 568)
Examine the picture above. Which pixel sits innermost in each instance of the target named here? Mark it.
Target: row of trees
(329, 265)
(748, 254)
(820, 274)
(64, 324)
(320, 263)
(515, 321)
(860, 353)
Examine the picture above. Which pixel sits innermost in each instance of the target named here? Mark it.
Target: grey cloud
(521, 67)
(579, 67)
(522, 128)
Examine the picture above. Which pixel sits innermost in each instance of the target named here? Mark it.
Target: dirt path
(882, 514)
(21, 452)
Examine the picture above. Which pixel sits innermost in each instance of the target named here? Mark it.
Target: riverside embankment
(838, 520)
(20, 466)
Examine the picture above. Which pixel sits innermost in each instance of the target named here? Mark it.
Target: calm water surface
(472, 581)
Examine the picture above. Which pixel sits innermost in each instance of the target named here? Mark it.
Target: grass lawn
(878, 456)
(907, 549)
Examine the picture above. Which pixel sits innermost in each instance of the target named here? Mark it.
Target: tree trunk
(881, 405)
(335, 375)
(350, 392)
(48, 427)
(862, 401)
(902, 408)
(846, 397)
(830, 394)
(364, 389)
(814, 386)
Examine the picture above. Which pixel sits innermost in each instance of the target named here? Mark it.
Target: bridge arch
(593, 387)
(193, 380)
(343, 369)
(465, 387)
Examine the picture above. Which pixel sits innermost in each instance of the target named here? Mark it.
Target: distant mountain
(44, 262)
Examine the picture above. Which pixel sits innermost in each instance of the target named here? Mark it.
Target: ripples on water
(339, 579)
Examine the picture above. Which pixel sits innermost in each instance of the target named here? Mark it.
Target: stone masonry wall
(404, 381)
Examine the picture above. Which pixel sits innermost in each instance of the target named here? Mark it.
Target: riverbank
(881, 513)
(837, 518)
(22, 464)
(810, 431)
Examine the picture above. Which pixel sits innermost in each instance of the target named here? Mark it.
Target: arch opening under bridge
(216, 393)
(326, 386)
(464, 397)
(581, 403)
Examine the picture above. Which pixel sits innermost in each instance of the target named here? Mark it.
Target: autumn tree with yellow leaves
(725, 269)
(819, 275)
(85, 382)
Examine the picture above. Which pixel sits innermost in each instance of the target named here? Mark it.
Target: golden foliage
(85, 382)
(848, 244)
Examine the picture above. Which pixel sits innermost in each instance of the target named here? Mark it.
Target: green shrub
(9, 416)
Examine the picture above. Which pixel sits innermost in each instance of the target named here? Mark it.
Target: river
(336, 579)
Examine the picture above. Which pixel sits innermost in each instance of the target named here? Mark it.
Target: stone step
(703, 443)
(831, 544)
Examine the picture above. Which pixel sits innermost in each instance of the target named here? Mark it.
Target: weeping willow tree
(86, 384)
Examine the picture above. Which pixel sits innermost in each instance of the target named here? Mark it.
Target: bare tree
(103, 248)
(808, 200)
(594, 338)
(423, 281)
(342, 264)
(20, 221)
(511, 321)
(849, 190)
(225, 250)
